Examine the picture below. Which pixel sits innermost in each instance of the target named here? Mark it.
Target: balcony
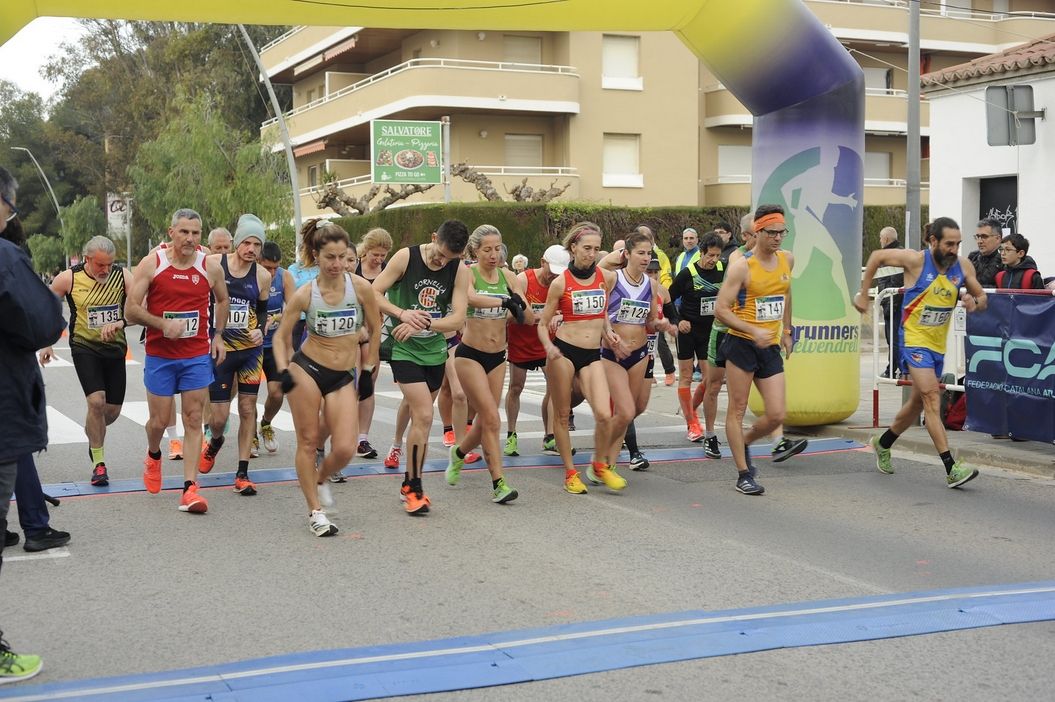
(429, 83)
(886, 111)
(940, 29)
(736, 190)
(297, 45)
(503, 177)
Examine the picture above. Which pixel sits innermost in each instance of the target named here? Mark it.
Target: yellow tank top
(762, 302)
(929, 304)
(93, 305)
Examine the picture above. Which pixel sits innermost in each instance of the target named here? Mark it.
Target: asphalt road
(143, 587)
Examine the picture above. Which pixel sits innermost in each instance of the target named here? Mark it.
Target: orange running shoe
(208, 458)
(152, 474)
(448, 438)
(472, 457)
(695, 431)
(244, 486)
(392, 459)
(404, 490)
(192, 502)
(175, 450)
(417, 502)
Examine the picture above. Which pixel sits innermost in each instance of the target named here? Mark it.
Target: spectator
(1020, 270)
(690, 250)
(986, 259)
(729, 245)
(888, 240)
(520, 263)
(30, 318)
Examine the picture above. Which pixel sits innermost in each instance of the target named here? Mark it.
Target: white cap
(557, 258)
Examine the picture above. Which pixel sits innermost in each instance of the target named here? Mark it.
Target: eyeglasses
(11, 205)
(775, 233)
(983, 236)
(1008, 249)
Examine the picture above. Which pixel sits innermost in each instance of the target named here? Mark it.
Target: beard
(945, 260)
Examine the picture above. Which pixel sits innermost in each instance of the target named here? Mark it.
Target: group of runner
(447, 315)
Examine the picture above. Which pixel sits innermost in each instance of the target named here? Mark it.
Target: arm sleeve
(261, 313)
(30, 314)
(671, 312)
(677, 288)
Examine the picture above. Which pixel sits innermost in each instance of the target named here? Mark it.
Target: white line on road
(63, 430)
(62, 552)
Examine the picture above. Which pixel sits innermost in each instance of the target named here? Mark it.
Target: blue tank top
(275, 302)
(243, 294)
(629, 303)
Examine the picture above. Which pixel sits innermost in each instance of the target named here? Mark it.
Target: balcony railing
(951, 12)
(541, 171)
(283, 37)
(461, 64)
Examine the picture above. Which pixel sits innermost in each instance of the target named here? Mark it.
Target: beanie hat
(249, 227)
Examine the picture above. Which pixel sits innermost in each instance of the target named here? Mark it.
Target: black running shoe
(638, 461)
(10, 539)
(710, 448)
(747, 485)
(99, 476)
(365, 450)
(50, 538)
(788, 448)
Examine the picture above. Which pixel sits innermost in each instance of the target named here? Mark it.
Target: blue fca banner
(1011, 367)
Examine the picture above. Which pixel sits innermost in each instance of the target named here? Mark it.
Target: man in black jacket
(30, 319)
(986, 259)
(888, 240)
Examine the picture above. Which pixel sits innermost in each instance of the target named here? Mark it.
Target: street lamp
(44, 177)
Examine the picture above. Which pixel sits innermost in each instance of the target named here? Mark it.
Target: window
(524, 50)
(310, 95)
(524, 150)
(619, 63)
(957, 8)
(734, 161)
(877, 79)
(877, 167)
(313, 176)
(622, 165)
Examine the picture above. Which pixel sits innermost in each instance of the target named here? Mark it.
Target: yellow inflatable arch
(806, 93)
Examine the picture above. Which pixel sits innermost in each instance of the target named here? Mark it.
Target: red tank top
(580, 302)
(524, 344)
(180, 294)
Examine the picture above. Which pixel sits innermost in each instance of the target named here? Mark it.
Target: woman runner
(372, 250)
(335, 306)
(480, 359)
(581, 296)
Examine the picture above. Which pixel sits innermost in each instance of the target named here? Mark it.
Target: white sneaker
(320, 525)
(268, 435)
(325, 496)
(254, 448)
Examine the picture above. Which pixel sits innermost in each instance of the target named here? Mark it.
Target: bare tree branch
(549, 194)
(403, 193)
(478, 179)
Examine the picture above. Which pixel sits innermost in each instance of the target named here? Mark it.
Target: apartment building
(621, 117)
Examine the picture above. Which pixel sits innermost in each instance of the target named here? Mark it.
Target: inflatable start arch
(806, 93)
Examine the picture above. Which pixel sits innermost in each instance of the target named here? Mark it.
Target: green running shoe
(549, 446)
(503, 492)
(15, 667)
(511, 448)
(454, 467)
(960, 474)
(882, 456)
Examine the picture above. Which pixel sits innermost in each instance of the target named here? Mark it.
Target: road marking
(63, 430)
(62, 552)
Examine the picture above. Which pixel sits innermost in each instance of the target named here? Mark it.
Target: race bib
(333, 323)
(101, 315)
(632, 311)
(934, 316)
(189, 319)
(426, 333)
(238, 316)
(652, 338)
(490, 312)
(587, 302)
(537, 308)
(707, 306)
(769, 308)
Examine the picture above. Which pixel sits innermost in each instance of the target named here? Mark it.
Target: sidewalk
(980, 449)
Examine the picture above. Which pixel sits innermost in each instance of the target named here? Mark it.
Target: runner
(666, 318)
(755, 302)
(220, 241)
(248, 291)
(696, 288)
(421, 282)
(95, 291)
(372, 250)
(279, 294)
(170, 296)
(631, 315)
(525, 349)
(480, 357)
(933, 278)
(581, 296)
(320, 376)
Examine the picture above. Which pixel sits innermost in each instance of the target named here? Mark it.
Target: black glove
(366, 385)
(515, 304)
(286, 381)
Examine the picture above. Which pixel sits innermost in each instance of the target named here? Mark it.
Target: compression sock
(887, 439)
(947, 459)
(97, 455)
(631, 438)
(685, 400)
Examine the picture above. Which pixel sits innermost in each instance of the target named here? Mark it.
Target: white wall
(959, 155)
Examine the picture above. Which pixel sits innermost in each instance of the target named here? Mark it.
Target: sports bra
(331, 321)
(629, 303)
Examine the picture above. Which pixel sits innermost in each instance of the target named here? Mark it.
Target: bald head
(887, 236)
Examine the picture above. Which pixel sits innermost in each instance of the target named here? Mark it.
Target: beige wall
(467, 144)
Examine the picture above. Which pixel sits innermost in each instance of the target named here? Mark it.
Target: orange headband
(771, 218)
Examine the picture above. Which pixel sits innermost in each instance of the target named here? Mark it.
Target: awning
(312, 148)
(336, 51)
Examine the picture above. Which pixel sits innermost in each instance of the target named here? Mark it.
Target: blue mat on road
(571, 649)
(357, 470)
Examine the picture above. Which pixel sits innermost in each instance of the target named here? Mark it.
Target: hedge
(528, 228)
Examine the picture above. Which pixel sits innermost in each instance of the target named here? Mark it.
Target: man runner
(933, 278)
(170, 296)
(95, 291)
(248, 292)
(755, 303)
(421, 282)
(280, 292)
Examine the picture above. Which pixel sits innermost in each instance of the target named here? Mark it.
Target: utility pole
(291, 162)
(445, 130)
(913, 225)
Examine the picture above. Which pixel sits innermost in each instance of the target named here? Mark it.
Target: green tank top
(421, 288)
(499, 290)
